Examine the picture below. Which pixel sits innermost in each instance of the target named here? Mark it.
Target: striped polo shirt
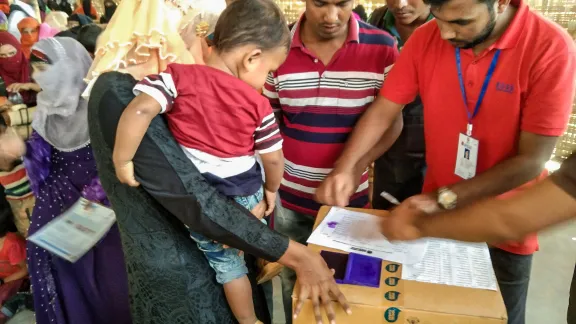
(16, 183)
(320, 104)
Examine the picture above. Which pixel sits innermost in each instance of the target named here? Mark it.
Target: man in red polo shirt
(333, 72)
(497, 84)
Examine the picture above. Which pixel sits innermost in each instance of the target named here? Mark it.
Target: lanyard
(482, 91)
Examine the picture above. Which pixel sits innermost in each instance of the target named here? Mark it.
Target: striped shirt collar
(353, 31)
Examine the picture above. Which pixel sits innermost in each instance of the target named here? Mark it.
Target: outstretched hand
(317, 283)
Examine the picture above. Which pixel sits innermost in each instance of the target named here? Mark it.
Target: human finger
(304, 292)
(340, 298)
(316, 304)
(259, 210)
(327, 305)
(270, 208)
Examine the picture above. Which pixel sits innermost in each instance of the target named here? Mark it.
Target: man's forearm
(375, 122)
(534, 209)
(502, 178)
(389, 138)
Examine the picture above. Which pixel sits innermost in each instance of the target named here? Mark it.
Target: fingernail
(349, 312)
(295, 316)
(332, 322)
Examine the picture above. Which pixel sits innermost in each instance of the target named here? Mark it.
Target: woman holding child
(183, 193)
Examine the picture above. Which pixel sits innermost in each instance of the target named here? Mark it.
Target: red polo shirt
(531, 90)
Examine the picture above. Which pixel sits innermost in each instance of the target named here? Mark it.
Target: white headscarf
(61, 117)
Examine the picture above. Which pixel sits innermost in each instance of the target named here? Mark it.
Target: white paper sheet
(76, 231)
(454, 263)
(357, 232)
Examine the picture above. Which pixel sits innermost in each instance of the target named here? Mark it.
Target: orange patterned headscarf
(29, 29)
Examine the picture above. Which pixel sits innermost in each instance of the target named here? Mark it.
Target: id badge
(467, 157)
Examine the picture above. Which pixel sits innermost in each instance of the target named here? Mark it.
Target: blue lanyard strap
(484, 85)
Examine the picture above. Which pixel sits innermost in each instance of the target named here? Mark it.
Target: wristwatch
(447, 198)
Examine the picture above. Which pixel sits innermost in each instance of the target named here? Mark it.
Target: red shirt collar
(353, 31)
(512, 34)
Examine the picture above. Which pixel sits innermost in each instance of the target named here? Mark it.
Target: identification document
(467, 157)
(76, 231)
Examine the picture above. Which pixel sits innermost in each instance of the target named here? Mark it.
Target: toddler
(220, 120)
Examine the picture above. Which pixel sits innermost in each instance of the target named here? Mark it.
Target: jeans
(227, 262)
(513, 275)
(298, 227)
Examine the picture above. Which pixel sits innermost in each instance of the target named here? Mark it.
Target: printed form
(76, 231)
(358, 232)
(427, 260)
(454, 263)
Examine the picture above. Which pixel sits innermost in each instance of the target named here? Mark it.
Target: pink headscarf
(46, 31)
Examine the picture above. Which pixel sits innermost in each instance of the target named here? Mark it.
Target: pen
(391, 199)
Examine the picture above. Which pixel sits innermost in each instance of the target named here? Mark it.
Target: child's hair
(258, 22)
(88, 35)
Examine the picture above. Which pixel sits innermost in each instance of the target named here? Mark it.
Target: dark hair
(440, 3)
(88, 35)
(258, 22)
(361, 11)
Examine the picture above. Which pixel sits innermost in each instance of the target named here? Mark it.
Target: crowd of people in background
(294, 115)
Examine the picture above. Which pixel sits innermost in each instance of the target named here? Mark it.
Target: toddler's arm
(132, 126)
(273, 163)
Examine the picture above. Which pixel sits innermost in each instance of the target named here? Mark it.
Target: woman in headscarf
(3, 22)
(85, 7)
(61, 168)
(57, 20)
(29, 29)
(15, 70)
(109, 10)
(152, 231)
(31, 32)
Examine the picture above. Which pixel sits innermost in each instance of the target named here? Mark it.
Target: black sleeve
(165, 173)
(565, 178)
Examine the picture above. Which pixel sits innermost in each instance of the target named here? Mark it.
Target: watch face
(447, 198)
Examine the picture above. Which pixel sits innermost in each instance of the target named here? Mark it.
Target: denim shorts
(227, 263)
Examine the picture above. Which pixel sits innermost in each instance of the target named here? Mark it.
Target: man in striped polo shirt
(334, 70)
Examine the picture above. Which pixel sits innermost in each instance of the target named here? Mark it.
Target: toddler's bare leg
(239, 296)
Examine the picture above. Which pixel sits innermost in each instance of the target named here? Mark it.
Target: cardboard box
(408, 302)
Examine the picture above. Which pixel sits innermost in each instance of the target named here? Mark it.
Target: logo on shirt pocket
(504, 87)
